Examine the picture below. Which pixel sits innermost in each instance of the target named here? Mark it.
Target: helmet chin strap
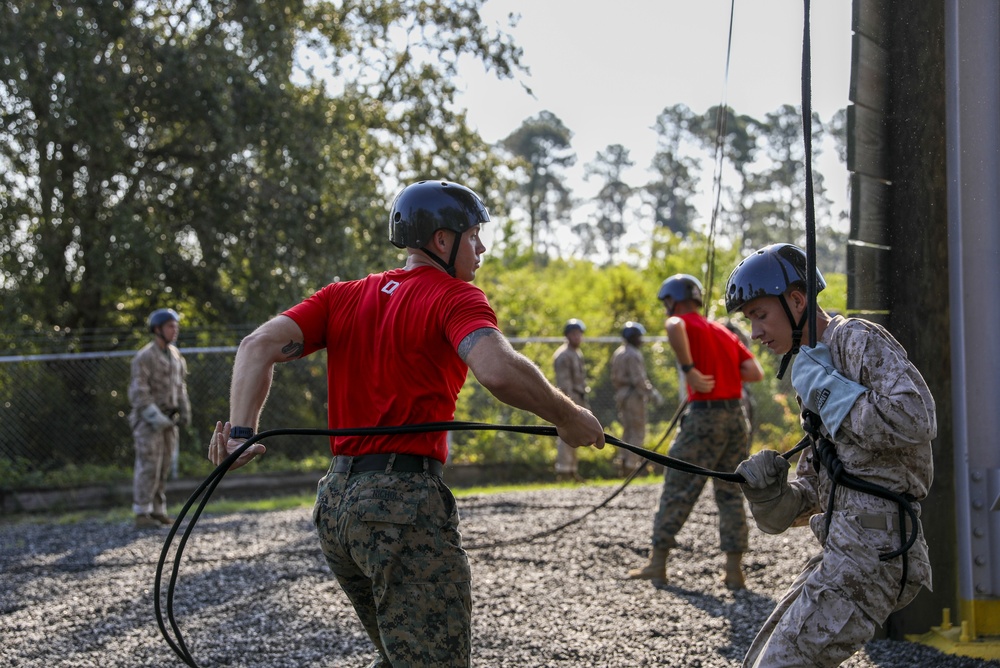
(796, 335)
(448, 266)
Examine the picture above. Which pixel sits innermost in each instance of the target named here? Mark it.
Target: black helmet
(770, 271)
(680, 287)
(574, 323)
(161, 316)
(420, 209)
(632, 329)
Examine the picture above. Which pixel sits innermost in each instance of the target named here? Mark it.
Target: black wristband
(687, 367)
(241, 432)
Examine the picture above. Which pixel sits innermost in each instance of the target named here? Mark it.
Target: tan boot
(733, 579)
(655, 570)
(147, 521)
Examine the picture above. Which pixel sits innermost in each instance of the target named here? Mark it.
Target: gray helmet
(574, 323)
(632, 329)
(420, 209)
(161, 316)
(680, 287)
(769, 271)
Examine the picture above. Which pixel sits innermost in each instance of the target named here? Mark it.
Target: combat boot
(655, 570)
(733, 578)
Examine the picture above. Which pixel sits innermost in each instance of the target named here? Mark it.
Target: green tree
(542, 148)
(153, 151)
(676, 170)
(614, 197)
(776, 190)
(731, 140)
(762, 172)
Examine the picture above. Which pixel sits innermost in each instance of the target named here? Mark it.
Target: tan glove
(773, 502)
(155, 418)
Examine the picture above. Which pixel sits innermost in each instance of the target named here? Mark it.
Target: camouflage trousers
(834, 606)
(632, 415)
(154, 451)
(715, 439)
(392, 541)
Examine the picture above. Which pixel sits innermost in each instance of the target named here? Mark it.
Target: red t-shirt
(717, 352)
(391, 342)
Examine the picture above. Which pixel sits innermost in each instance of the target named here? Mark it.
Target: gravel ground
(253, 590)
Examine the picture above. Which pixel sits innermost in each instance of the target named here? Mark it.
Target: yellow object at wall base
(963, 640)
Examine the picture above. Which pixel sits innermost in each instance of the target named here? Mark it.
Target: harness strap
(825, 451)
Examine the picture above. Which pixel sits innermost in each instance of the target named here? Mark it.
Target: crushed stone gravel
(254, 590)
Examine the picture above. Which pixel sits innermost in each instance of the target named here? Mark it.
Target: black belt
(388, 462)
(715, 403)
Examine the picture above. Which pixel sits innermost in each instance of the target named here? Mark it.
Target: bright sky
(608, 68)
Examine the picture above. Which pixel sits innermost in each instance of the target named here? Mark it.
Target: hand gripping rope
(204, 491)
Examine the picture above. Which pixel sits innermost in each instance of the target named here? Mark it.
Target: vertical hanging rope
(811, 286)
(721, 120)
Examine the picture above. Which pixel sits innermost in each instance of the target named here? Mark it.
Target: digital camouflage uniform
(632, 393)
(158, 377)
(392, 540)
(835, 604)
(714, 438)
(571, 378)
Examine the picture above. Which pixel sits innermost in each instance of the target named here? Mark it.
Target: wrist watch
(241, 432)
(687, 367)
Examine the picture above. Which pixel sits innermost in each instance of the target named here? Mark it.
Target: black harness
(825, 452)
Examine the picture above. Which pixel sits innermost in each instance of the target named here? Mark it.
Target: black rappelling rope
(208, 486)
(811, 286)
(579, 518)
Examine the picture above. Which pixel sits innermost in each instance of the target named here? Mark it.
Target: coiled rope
(199, 498)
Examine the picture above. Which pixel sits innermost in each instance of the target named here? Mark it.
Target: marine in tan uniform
(571, 378)
(633, 392)
(159, 398)
(876, 409)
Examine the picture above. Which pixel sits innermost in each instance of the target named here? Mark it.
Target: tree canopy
(156, 153)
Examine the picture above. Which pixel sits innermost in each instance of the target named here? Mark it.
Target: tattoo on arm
(469, 342)
(293, 350)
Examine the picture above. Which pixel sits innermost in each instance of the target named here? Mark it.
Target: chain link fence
(65, 416)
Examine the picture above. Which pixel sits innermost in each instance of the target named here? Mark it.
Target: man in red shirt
(714, 430)
(399, 344)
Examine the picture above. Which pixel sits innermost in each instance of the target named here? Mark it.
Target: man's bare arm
(515, 380)
(277, 340)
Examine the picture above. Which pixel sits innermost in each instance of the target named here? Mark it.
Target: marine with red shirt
(399, 345)
(714, 430)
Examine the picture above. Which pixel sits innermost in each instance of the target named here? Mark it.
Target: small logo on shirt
(390, 287)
